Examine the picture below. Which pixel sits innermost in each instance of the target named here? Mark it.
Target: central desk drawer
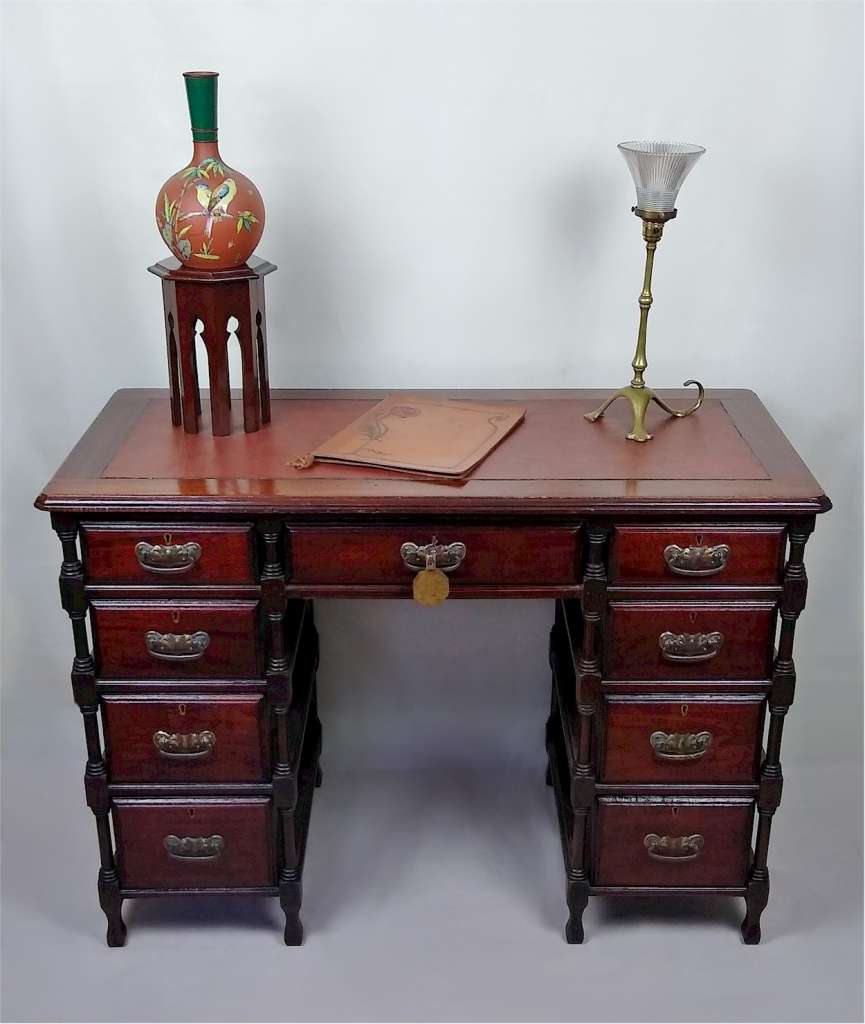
(533, 556)
(682, 738)
(194, 844)
(177, 639)
(185, 739)
(672, 640)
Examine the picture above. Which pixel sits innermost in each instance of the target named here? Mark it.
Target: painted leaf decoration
(165, 206)
(183, 231)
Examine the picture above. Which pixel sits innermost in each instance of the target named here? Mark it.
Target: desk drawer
(194, 844)
(177, 639)
(692, 554)
(186, 739)
(494, 555)
(168, 554)
(689, 640)
(682, 738)
(673, 841)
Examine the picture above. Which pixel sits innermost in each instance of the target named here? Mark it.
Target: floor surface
(439, 896)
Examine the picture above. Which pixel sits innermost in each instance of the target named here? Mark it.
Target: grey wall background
(448, 209)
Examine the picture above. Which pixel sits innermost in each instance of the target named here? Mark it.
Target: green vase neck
(201, 97)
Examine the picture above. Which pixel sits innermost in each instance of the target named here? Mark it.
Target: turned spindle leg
(73, 597)
(793, 594)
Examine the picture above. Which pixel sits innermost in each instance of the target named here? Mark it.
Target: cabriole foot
(578, 897)
(290, 898)
(755, 904)
(112, 906)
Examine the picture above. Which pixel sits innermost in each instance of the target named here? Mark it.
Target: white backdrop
(447, 208)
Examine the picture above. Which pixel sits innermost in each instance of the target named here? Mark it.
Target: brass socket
(655, 216)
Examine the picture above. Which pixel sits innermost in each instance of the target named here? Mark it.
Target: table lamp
(659, 169)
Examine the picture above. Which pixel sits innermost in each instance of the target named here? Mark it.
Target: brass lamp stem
(637, 392)
(640, 363)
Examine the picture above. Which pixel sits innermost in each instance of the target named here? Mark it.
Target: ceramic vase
(209, 215)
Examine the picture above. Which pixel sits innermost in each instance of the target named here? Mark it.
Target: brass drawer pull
(697, 560)
(176, 646)
(680, 746)
(445, 557)
(674, 849)
(690, 647)
(194, 847)
(167, 558)
(184, 745)
(431, 562)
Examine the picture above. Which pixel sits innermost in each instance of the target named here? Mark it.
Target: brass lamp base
(640, 397)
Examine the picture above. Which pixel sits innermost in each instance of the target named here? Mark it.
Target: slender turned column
(279, 689)
(652, 232)
(582, 793)
(73, 597)
(793, 594)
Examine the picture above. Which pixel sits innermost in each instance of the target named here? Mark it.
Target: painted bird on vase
(216, 201)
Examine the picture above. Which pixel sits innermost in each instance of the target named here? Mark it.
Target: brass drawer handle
(194, 847)
(445, 557)
(674, 849)
(690, 647)
(431, 562)
(697, 560)
(176, 646)
(680, 746)
(167, 558)
(184, 745)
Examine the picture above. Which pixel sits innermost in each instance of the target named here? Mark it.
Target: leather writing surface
(553, 443)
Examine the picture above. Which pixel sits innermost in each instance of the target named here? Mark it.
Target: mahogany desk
(189, 567)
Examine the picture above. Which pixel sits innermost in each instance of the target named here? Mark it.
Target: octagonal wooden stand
(213, 298)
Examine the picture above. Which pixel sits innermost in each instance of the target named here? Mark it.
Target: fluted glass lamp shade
(659, 170)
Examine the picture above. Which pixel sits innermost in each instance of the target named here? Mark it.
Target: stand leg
(190, 399)
(682, 413)
(170, 307)
(249, 370)
(592, 417)
(639, 399)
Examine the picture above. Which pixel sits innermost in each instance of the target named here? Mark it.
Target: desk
(190, 567)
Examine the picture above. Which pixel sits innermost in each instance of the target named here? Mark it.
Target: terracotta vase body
(210, 216)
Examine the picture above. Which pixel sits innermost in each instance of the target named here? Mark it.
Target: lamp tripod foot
(639, 398)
